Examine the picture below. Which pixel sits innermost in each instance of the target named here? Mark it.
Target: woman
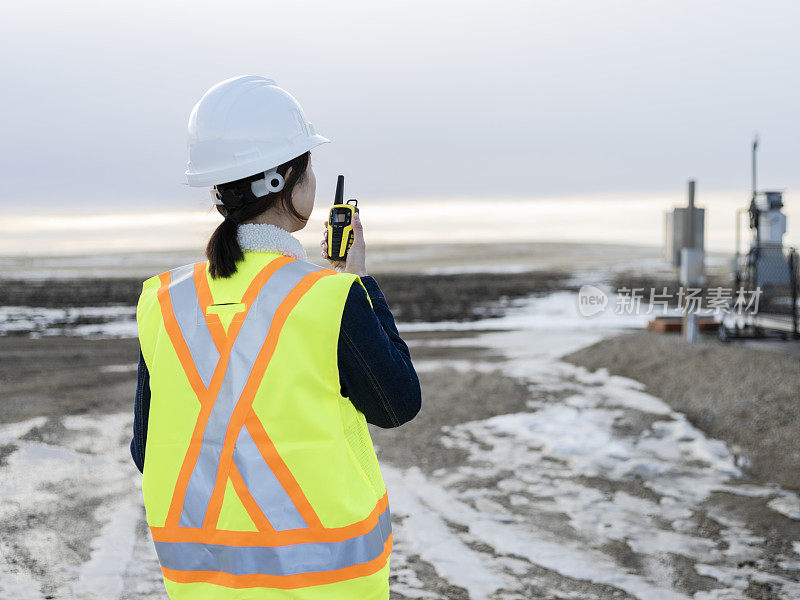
(257, 375)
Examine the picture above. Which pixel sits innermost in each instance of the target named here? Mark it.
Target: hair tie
(234, 218)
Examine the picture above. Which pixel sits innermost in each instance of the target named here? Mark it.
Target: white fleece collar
(265, 237)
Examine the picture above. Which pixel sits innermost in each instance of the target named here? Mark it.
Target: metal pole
(691, 333)
(794, 284)
(738, 255)
(690, 217)
(739, 212)
(755, 147)
(689, 315)
(753, 207)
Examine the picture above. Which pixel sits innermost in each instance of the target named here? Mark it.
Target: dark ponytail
(240, 204)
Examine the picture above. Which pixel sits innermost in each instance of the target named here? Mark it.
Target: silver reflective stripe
(251, 338)
(265, 488)
(189, 314)
(293, 559)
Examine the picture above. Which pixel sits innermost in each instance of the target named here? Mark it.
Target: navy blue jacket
(375, 369)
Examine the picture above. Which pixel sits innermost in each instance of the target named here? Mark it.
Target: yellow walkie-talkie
(340, 223)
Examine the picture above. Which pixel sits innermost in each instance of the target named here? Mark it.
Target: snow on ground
(601, 482)
(86, 321)
(597, 490)
(61, 478)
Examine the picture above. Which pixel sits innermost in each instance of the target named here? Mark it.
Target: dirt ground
(747, 395)
(524, 476)
(56, 376)
(453, 398)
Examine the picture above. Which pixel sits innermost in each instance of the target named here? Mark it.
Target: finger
(358, 230)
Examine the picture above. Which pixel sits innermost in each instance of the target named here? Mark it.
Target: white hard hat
(243, 126)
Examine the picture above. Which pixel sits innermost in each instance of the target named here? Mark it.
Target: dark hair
(223, 250)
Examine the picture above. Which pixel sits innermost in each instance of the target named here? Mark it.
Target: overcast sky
(429, 98)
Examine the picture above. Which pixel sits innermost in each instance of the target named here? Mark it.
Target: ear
(288, 173)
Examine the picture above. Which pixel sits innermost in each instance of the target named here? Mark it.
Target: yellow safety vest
(260, 478)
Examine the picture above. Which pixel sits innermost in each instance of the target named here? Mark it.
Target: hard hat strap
(235, 196)
(230, 198)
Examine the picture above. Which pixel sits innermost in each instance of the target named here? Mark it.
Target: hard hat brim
(248, 168)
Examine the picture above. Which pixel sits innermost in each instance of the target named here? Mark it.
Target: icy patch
(127, 368)
(593, 479)
(102, 321)
(534, 332)
(413, 494)
(554, 451)
(654, 485)
(550, 315)
(11, 432)
(424, 532)
(477, 269)
(88, 480)
(787, 504)
(112, 329)
(101, 577)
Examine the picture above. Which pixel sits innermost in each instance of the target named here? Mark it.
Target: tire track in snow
(424, 532)
(100, 577)
(426, 504)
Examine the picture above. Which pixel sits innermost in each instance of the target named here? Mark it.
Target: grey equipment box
(676, 235)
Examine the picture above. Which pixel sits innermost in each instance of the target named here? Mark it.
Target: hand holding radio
(343, 241)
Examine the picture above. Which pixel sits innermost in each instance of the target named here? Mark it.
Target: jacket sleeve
(141, 412)
(375, 369)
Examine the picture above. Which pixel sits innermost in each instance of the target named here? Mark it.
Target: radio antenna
(339, 199)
